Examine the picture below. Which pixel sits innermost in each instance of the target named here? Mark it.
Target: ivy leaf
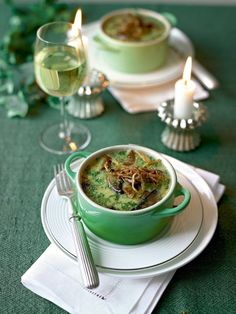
(18, 90)
(16, 105)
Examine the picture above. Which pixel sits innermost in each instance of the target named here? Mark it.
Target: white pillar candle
(184, 91)
(86, 45)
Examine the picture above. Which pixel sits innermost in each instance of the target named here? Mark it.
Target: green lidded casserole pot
(133, 40)
(123, 225)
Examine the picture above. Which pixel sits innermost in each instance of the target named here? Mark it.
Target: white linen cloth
(144, 99)
(55, 277)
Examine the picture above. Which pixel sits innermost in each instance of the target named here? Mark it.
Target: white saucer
(187, 236)
(172, 69)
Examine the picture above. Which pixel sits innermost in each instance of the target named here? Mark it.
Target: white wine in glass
(60, 68)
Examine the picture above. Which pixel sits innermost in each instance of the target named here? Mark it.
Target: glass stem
(64, 126)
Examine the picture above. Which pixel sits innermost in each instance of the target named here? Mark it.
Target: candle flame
(187, 71)
(73, 146)
(76, 27)
(78, 19)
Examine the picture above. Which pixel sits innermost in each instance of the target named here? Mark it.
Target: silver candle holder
(181, 134)
(87, 103)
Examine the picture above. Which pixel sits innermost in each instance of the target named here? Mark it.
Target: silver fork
(84, 256)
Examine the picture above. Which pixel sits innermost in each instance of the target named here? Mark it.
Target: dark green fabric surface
(207, 284)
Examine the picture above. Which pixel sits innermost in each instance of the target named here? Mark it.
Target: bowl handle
(103, 45)
(179, 190)
(171, 18)
(70, 159)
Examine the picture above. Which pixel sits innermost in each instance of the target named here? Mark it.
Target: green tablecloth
(207, 284)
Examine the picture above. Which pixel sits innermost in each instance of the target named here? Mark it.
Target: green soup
(125, 180)
(133, 27)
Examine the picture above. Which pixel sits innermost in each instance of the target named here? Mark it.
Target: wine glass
(60, 68)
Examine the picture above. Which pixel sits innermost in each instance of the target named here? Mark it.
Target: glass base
(53, 140)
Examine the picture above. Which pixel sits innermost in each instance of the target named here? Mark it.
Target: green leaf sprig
(16, 54)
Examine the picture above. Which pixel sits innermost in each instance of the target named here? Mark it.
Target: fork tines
(62, 180)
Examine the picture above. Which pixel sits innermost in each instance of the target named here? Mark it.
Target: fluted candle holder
(87, 102)
(181, 134)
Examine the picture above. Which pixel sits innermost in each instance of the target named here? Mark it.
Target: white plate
(172, 69)
(187, 236)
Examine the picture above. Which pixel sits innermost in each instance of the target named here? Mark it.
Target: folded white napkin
(148, 98)
(55, 277)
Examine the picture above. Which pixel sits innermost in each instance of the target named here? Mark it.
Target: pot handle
(103, 45)
(70, 159)
(179, 190)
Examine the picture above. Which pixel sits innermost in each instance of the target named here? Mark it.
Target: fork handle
(84, 256)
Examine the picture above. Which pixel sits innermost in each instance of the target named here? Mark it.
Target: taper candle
(184, 91)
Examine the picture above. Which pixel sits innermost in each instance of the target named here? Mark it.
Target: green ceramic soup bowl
(133, 56)
(126, 227)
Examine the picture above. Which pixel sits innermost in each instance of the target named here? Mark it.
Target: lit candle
(78, 19)
(77, 24)
(184, 90)
(73, 32)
